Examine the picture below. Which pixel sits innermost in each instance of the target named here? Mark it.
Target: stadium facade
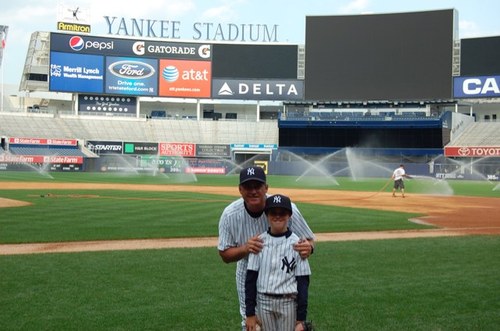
(398, 87)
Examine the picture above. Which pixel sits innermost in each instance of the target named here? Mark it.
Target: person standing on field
(244, 220)
(399, 184)
(277, 281)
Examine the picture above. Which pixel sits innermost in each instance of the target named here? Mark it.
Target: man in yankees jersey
(244, 220)
(277, 279)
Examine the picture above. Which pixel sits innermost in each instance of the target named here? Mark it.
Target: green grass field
(411, 284)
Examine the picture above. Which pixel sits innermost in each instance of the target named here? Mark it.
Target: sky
(23, 17)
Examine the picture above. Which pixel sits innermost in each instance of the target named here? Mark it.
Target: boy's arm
(251, 292)
(302, 295)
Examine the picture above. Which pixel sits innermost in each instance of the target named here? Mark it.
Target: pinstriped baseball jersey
(236, 226)
(278, 264)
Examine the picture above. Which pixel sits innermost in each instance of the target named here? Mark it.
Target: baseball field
(132, 252)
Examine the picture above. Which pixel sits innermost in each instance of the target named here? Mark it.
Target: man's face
(254, 194)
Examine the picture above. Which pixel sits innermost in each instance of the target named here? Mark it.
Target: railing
(355, 116)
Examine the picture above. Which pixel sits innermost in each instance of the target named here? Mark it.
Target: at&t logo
(170, 73)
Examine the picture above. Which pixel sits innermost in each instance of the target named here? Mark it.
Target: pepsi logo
(76, 43)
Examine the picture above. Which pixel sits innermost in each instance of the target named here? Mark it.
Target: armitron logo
(76, 43)
(131, 69)
(464, 151)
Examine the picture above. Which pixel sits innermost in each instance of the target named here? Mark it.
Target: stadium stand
(46, 151)
(478, 134)
(126, 129)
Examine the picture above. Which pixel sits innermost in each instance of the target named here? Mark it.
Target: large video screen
(254, 61)
(480, 56)
(403, 56)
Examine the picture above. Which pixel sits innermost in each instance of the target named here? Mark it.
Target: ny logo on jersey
(290, 266)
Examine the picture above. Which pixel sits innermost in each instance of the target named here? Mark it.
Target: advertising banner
(177, 149)
(104, 147)
(28, 159)
(139, 148)
(107, 104)
(76, 73)
(164, 164)
(208, 150)
(42, 141)
(178, 51)
(180, 165)
(472, 151)
(476, 87)
(185, 79)
(254, 146)
(275, 89)
(85, 44)
(131, 76)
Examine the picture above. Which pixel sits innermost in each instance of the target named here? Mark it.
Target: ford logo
(131, 69)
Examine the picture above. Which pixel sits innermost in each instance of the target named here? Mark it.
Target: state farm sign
(29, 159)
(472, 151)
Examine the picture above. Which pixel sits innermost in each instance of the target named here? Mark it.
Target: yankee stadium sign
(151, 28)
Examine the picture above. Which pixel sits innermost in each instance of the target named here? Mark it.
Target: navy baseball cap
(252, 173)
(278, 201)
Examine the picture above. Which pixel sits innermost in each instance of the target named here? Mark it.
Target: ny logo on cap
(250, 172)
(277, 199)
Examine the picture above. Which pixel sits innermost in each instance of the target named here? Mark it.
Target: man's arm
(305, 247)
(299, 226)
(234, 254)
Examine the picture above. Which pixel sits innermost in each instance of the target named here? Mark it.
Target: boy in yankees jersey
(277, 279)
(244, 220)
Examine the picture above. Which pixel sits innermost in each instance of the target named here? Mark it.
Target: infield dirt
(452, 215)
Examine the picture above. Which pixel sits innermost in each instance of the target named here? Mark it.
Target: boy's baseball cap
(252, 173)
(278, 201)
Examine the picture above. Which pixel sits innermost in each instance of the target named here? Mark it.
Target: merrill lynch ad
(76, 73)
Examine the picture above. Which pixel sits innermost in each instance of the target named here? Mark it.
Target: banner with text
(177, 149)
(42, 141)
(472, 151)
(476, 87)
(271, 89)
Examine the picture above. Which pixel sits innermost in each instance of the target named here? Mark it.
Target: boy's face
(278, 220)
